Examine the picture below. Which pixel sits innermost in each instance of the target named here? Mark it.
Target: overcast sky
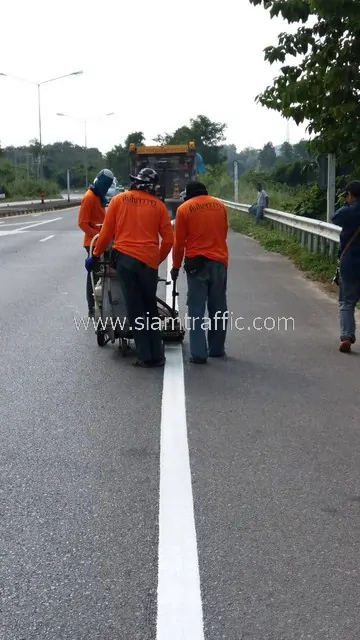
(155, 64)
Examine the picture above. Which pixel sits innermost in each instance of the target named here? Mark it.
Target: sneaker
(345, 346)
(195, 360)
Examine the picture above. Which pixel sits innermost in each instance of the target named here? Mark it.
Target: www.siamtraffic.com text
(220, 321)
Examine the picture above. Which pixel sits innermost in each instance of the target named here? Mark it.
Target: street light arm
(67, 75)
(7, 75)
(66, 115)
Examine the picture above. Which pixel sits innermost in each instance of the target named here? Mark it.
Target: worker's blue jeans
(207, 288)
(139, 284)
(349, 296)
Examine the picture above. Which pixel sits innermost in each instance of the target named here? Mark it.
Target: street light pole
(38, 85)
(40, 136)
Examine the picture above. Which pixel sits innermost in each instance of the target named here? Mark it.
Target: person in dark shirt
(348, 218)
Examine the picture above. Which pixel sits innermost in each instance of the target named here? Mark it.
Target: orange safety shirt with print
(133, 223)
(201, 228)
(91, 214)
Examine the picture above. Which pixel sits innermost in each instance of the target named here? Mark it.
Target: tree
(323, 88)
(287, 152)
(267, 156)
(137, 137)
(207, 135)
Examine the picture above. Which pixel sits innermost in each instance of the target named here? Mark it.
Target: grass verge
(314, 265)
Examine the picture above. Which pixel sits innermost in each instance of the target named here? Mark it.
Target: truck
(175, 165)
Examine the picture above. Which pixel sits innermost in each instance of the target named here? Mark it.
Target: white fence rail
(313, 234)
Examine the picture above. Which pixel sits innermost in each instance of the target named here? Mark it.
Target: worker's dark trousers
(139, 284)
(89, 291)
(208, 288)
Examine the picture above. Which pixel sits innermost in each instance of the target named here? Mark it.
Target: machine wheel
(124, 347)
(101, 340)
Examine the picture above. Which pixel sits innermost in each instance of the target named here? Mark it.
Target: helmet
(146, 180)
(103, 182)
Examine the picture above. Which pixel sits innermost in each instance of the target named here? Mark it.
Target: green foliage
(16, 184)
(267, 156)
(57, 159)
(314, 265)
(323, 87)
(207, 135)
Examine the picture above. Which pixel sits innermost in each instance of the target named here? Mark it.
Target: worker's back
(139, 219)
(203, 221)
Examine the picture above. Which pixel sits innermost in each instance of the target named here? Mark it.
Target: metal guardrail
(311, 233)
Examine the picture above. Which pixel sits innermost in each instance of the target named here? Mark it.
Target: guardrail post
(309, 242)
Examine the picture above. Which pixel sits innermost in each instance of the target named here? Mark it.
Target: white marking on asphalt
(47, 238)
(180, 615)
(16, 224)
(37, 224)
(12, 232)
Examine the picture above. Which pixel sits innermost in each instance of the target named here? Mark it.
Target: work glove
(90, 263)
(174, 273)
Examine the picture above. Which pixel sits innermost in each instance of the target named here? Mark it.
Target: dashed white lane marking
(179, 615)
(47, 238)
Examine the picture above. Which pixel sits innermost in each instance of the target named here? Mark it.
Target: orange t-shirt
(201, 228)
(91, 213)
(134, 221)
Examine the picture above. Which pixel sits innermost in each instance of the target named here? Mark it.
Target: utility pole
(40, 137)
(331, 186)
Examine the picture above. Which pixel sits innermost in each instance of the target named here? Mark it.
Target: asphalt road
(88, 443)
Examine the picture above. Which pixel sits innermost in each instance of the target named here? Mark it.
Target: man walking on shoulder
(348, 217)
(201, 227)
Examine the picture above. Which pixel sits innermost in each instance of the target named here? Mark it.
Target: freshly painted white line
(179, 615)
(47, 238)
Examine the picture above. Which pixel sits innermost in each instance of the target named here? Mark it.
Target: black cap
(194, 189)
(353, 188)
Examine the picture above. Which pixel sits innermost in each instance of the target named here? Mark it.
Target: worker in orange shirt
(201, 227)
(134, 221)
(91, 214)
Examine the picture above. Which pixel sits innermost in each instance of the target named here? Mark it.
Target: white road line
(16, 224)
(47, 238)
(180, 615)
(37, 224)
